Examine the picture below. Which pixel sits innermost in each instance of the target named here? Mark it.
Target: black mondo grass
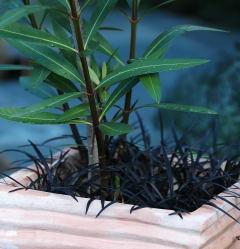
(174, 175)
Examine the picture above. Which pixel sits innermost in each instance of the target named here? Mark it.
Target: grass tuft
(175, 175)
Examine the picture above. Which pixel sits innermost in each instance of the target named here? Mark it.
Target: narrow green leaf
(65, 3)
(61, 83)
(61, 32)
(94, 76)
(123, 88)
(179, 108)
(95, 66)
(9, 67)
(115, 67)
(170, 34)
(44, 118)
(104, 95)
(26, 33)
(48, 58)
(104, 70)
(159, 53)
(148, 66)
(75, 112)
(148, 11)
(86, 4)
(123, 12)
(39, 74)
(102, 9)
(16, 14)
(115, 129)
(106, 48)
(78, 121)
(88, 52)
(61, 18)
(152, 84)
(50, 103)
(42, 91)
(111, 29)
(47, 104)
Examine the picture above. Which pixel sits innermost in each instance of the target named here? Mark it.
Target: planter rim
(197, 221)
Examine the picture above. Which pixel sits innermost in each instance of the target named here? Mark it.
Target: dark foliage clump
(175, 175)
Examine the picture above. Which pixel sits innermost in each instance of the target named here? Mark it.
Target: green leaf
(61, 18)
(104, 95)
(44, 118)
(102, 9)
(65, 3)
(61, 32)
(86, 4)
(148, 66)
(55, 5)
(42, 91)
(95, 67)
(152, 84)
(115, 129)
(88, 52)
(48, 58)
(159, 53)
(61, 83)
(130, 3)
(123, 88)
(111, 29)
(47, 104)
(106, 48)
(115, 67)
(117, 116)
(75, 112)
(16, 14)
(179, 108)
(26, 33)
(10, 67)
(104, 70)
(39, 74)
(93, 76)
(170, 34)
(148, 11)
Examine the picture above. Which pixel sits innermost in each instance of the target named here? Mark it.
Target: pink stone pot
(39, 220)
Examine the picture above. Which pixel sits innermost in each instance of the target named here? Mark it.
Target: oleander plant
(78, 89)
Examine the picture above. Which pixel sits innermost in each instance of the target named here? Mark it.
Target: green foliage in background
(61, 46)
(219, 90)
(219, 12)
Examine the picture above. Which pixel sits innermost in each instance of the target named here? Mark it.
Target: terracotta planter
(38, 220)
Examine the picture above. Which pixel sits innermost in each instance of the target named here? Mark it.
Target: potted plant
(108, 169)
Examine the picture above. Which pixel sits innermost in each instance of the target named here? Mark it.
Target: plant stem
(76, 135)
(90, 91)
(134, 22)
(31, 16)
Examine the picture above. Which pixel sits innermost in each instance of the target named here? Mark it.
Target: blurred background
(215, 85)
